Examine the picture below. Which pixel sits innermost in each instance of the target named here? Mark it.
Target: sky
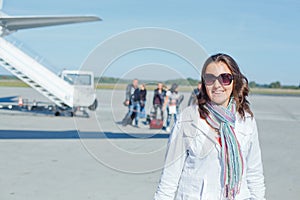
(262, 36)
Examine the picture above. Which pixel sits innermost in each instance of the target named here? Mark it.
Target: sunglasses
(224, 79)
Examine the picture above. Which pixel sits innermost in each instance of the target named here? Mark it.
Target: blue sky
(263, 36)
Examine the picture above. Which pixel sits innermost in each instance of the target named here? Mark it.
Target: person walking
(173, 99)
(158, 100)
(194, 95)
(143, 99)
(132, 100)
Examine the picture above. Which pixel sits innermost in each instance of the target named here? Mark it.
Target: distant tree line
(111, 80)
(8, 77)
(185, 82)
(275, 84)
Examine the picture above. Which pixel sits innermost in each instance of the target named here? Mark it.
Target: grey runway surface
(47, 157)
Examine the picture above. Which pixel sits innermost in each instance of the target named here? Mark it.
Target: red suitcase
(156, 124)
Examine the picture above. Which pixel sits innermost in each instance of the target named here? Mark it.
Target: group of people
(163, 100)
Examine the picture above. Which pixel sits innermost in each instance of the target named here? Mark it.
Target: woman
(158, 100)
(143, 95)
(213, 151)
(172, 98)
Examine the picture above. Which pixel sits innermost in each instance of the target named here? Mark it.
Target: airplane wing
(15, 23)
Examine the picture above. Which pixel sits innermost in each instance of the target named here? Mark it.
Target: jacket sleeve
(174, 162)
(153, 100)
(128, 93)
(255, 177)
(191, 99)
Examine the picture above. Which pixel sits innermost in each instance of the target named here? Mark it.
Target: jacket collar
(192, 122)
(191, 117)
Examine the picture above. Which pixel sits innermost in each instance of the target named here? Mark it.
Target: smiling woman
(231, 83)
(213, 150)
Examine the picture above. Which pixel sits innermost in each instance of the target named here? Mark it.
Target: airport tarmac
(47, 157)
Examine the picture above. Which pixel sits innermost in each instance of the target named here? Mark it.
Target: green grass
(12, 83)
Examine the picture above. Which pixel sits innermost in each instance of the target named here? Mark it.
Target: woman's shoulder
(248, 118)
(190, 109)
(190, 113)
(245, 124)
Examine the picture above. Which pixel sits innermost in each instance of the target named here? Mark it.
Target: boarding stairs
(36, 75)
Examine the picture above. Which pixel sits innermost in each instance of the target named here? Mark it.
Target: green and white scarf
(223, 119)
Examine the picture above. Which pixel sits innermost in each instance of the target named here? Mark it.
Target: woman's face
(217, 92)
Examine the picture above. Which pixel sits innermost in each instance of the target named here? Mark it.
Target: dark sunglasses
(224, 79)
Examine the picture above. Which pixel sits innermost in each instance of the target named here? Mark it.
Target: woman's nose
(217, 84)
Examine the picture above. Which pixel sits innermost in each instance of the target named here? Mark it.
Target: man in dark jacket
(132, 100)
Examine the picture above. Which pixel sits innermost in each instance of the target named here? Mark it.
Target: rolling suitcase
(156, 124)
(128, 119)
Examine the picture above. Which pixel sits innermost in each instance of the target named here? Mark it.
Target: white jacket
(192, 165)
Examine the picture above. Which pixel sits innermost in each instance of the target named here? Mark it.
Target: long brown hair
(240, 86)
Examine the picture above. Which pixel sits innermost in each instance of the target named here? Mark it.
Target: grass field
(12, 83)
(267, 91)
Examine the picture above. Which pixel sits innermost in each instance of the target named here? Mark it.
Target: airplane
(66, 90)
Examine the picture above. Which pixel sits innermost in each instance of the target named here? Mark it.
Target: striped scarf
(223, 119)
